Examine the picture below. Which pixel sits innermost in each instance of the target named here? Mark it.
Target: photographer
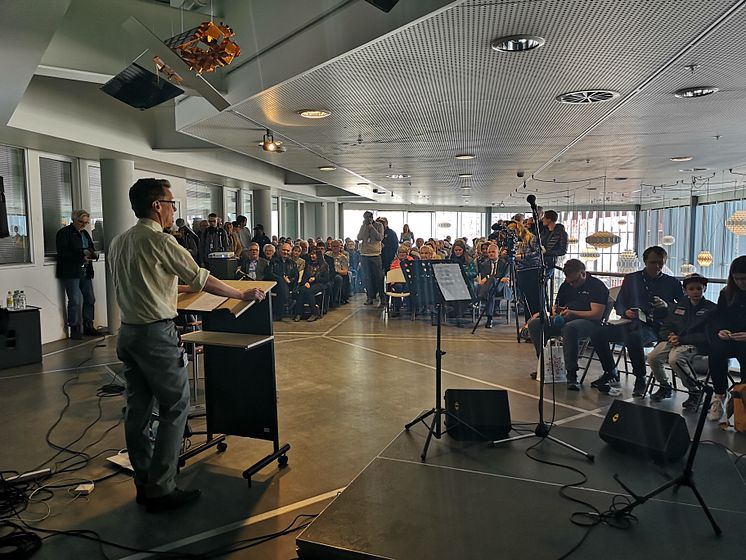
(74, 267)
(371, 237)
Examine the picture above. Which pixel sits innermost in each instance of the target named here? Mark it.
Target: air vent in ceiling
(587, 96)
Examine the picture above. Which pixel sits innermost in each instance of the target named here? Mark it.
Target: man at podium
(146, 265)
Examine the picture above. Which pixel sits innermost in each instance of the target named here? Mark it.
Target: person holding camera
(75, 256)
(643, 301)
(371, 237)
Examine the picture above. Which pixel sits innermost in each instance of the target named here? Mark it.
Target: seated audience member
(460, 256)
(643, 300)
(315, 278)
(728, 335)
(426, 253)
(269, 251)
(683, 336)
(300, 262)
(419, 242)
(579, 308)
(187, 238)
(402, 254)
(283, 270)
(252, 265)
(341, 276)
(493, 278)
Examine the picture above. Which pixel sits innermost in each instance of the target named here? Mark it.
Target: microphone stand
(542, 429)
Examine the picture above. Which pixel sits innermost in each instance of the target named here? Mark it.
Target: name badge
(701, 312)
(679, 311)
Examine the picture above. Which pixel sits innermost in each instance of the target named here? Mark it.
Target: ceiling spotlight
(682, 158)
(689, 93)
(693, 169)
(517, 43)
(314, 113)
(584, 97)
(465, 175)
(398, 176)
(465, 187)
(268, 143)
(465, 156)
(327, 168)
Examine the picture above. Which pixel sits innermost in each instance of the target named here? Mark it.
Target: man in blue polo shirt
(643, 302)
(579, 308)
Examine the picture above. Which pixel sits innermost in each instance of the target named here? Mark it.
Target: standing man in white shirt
(146, 265)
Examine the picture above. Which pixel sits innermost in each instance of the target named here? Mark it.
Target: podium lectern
(239, 357)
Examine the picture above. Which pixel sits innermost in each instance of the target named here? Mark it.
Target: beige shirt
(145, 265)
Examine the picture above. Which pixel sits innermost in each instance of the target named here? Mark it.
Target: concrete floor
(347, 385)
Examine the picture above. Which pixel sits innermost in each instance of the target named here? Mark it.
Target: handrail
(680, 278)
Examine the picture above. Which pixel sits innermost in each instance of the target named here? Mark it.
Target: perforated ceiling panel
(412, 100)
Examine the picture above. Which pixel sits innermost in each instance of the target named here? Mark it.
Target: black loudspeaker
(487, 410)
(384, 5)
(658, 434)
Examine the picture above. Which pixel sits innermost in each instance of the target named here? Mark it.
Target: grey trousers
(679, 358)
(155, 370)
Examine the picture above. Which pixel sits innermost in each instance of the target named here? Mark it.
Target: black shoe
(488, 324)
(88, 330)
(572, 383)
(640, 386)
(603, 380)
(75, 333)
(141, 497)
(665, 392)
(691, 403)
(174, 500)
(607, 384)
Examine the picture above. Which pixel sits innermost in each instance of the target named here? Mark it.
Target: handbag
(736, 407)
(554, 362)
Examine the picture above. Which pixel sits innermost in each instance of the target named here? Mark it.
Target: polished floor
(346, 386)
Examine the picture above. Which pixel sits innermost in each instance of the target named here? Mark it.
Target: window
(56, 199)
(471, 225)
(446, 223)
(96, 209)
(202, 199)
(581, 224)
(246, 206)
(713, 236)
(275, 224)
(289, 218)
(231, 210)
(16, 247)
(421, 224)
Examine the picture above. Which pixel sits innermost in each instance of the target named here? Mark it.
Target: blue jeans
(80, 300)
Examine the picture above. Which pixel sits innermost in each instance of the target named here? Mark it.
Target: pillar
(262, 202)
(340, 221)
(116, 180)
(321, 220)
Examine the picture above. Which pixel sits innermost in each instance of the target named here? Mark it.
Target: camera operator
(371, 237)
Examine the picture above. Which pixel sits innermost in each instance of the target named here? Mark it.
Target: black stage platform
(469, 501)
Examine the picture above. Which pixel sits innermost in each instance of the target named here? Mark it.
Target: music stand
(444, 282)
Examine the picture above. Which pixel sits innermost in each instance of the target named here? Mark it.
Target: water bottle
(16, 297)
(22, 300)
(9, 301)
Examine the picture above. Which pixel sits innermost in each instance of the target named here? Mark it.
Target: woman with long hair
(527, 266)
(406, 234)
(315, 278)
(728, 335)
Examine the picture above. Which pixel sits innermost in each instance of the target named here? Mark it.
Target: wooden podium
(239, 357)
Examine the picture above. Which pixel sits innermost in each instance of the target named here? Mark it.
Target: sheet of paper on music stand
(451, 282)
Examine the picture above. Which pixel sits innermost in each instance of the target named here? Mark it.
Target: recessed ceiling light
(327, 168)
(398, 176)
(363, 184)
(465, 175)
(682, 158)
(591, 188)
(465, 156)
(314, 113)
(693, 169)
(465, 187)
(689, 93)
(620, 178)
(517, 43)
(584, 97)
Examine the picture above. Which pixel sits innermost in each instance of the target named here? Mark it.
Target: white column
(262, 201)
(116, 180)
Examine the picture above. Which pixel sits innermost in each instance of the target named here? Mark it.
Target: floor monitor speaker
(486, 410)
(384, 5)
(658, 434)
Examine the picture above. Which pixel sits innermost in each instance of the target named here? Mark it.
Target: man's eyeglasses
(171, 202)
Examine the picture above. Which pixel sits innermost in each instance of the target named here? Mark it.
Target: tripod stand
(542, 429)
(686, 478)
(421, 277)
(513, 300)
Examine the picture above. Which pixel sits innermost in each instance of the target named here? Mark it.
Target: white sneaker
(615, 388)
(717, 408)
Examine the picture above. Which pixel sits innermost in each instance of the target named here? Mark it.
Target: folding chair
(396, 276)
(613, 295)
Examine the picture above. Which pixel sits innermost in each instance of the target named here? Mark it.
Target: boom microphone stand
(542, 429)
